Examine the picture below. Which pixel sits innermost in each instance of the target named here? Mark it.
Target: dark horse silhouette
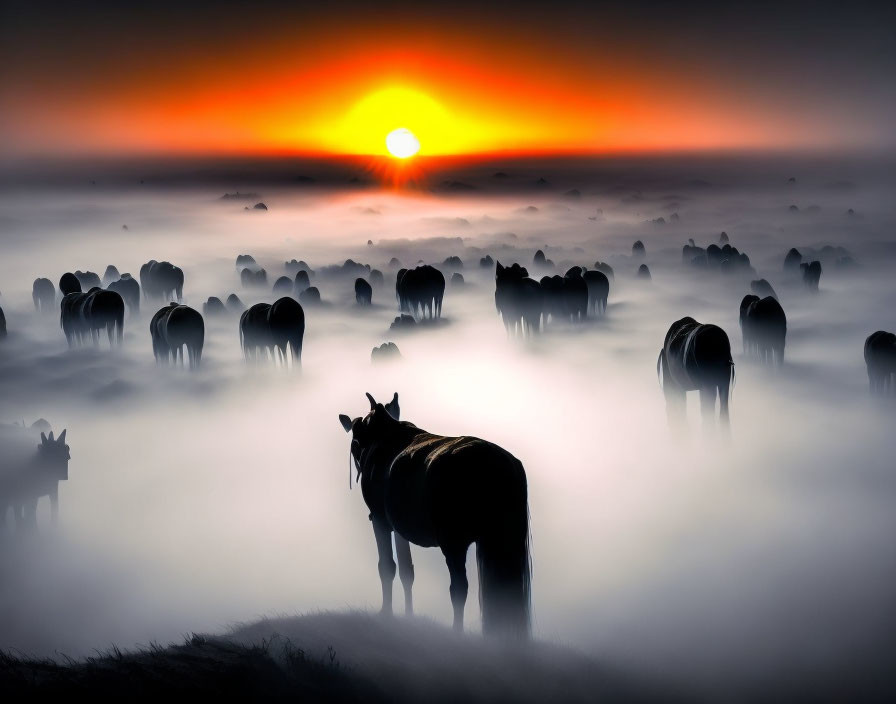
(696, 357)
(363, 292)
(764, 328)
(598, 290)
(87, 314)
(420, 291)
(43, 293)
(162, 280)
(129, 290)
(273, 327)
(880, 359)
(68, 283)
(174, 327)
(448, 492)
(518, 299)
(28, 473)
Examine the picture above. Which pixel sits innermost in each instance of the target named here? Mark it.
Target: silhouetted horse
(447, 492)
(811, 275)
(762, 288)
(88, 280)
(250, 277)
(764, 328)
(518, 299)
(880, 359)
(793, 260)
(273, 327)
(43, 293)
(598, 290)
(90, 313)
(420, 291)
(68, 283)
(213, 307)
(129, 290)
(162, 280)
(174, 327)
(363, 292)
(234, 304)
(111, 274)
(27, 473)
(696, 357)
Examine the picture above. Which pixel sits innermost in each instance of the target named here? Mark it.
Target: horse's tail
(505, 568)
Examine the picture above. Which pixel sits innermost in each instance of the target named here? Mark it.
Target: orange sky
(336, 88)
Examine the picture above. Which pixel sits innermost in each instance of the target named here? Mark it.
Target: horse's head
(53, 455)
(366, 431)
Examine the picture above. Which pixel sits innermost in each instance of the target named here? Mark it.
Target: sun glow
(402, 143)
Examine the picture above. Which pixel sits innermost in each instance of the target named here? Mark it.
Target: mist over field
(199, 500)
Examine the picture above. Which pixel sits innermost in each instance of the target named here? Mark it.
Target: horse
(43, 293)
(68, 283)
(696, 357)
(598, 290)
(129, 290)
(27, 474)
(83, 314)
(274, 327)
(420, 291)
(363, 292)
(447, 492)
(162, 280)
(518, 299)
(764, 328)
(174, 327)
(880, 360)
(811, 275)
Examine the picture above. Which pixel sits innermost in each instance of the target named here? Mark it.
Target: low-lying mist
(197, 500)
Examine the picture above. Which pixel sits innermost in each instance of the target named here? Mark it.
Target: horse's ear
(372, 401)
(61, 437)
(392, 407)
(43, 438)
(346, 422)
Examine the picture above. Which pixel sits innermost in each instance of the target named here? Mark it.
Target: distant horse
(43, 293)
(30, 470)
(363, 292)
(273, 327)
(88, 280)
(880, 360)
(763, 288)
(88, 314)
(811, 275)
(598, 290)
(129, 290)
(174, 327)
(111, 274)
(764, 328)
(447, 492)
(68, 283)
(518, 299)
(162, 280)
(696, 357)
(420, 291)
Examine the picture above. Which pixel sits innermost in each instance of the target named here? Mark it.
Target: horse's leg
(54, 506)
(405, 571)
(456, 557)
(383, 535)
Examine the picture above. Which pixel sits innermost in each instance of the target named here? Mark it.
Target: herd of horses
(416, 484)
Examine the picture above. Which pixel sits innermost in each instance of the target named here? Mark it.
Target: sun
(402, 143)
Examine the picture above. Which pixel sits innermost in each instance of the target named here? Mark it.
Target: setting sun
(402, 143)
